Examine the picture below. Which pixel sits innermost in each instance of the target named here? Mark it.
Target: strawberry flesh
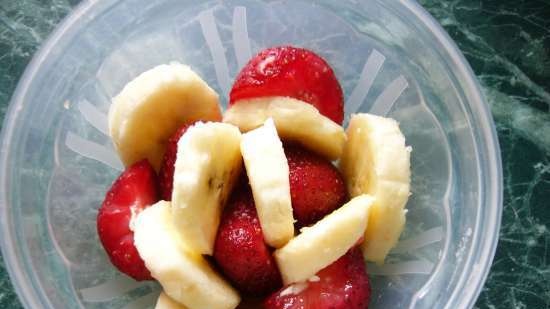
(293, 72)
(342, 285)
(134, 190)
(166, 173)
(316, 186)
(240, 249)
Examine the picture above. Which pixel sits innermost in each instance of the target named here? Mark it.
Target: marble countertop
(507, 44)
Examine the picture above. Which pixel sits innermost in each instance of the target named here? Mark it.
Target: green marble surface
(508, 45)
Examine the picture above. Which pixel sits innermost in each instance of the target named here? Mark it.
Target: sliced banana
(320, 245)
(184, 275)
(153, 106)
(208, 164)
(376, 161)
(295, 121)
(267, 170)
(165, 302)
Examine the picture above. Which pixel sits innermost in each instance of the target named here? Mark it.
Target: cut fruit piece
(134, 190)
(165, 302)
(294, 72)
(323, 243)
(376, 161)
(267, 170)
(343, 284)
(241, 251)
(184, 275)
(153, 106)
(295, 121)
(316, 186)
(207, 166)
(166, 173)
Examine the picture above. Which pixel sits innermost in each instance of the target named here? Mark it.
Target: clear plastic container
(391, 58)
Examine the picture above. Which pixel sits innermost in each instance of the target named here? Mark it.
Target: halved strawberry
(240, 249)
(166, 173)
(342, 285)
(316, 186)
(293, 72)
(134, 190)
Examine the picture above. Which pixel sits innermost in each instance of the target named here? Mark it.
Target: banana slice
(165, 302)
(208, 163)
(153, 106)
(185, 276)
(377, 162)
(267, 170)
(295, 121)
(323, 243)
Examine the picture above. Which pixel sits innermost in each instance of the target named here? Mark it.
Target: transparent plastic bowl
(392, 59)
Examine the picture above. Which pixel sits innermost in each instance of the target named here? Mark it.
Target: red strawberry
(316, 186)
(166, 173)
(342, 285)
(240, 249)
(134, 190)
(292, 72)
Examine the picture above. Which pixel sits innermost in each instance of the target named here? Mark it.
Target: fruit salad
(272, 202)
